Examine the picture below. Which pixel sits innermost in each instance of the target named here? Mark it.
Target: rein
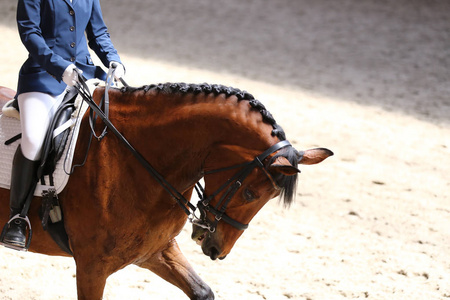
(233, 184)
(87, 97)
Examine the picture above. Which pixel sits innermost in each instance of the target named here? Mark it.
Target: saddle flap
(54, 146)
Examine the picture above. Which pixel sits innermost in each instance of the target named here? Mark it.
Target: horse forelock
(288, 184)
(216, 89)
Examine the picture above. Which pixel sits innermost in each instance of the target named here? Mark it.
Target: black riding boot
(23, 184)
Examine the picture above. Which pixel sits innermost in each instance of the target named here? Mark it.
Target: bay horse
(116, 213)
(6, 94)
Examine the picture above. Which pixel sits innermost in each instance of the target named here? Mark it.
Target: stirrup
(5, 229)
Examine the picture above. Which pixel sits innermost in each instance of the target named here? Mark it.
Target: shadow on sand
(392, 54)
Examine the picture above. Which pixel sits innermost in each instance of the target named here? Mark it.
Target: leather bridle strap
(274, 148)
(233, 184)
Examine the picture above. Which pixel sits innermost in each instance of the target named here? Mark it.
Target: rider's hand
(70, 77)
(120, 70)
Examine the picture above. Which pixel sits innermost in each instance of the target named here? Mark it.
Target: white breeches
(36, 111)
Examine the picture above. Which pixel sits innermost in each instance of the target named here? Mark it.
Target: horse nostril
(214, 253)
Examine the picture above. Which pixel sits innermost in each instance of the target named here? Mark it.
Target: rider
(53, 32)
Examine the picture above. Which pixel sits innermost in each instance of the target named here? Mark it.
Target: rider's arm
(98, 37)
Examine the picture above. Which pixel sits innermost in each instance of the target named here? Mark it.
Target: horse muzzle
(212, 249)
(208, 242)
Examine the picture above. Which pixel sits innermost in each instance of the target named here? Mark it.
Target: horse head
(232, 141)
(276, 176)
(241, 178)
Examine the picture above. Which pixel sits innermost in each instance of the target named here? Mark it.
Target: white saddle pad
(10, 127)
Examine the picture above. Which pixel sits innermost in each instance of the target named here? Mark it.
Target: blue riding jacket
(53, 32)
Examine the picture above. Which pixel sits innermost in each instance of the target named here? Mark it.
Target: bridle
(233, 184)
(204, 204)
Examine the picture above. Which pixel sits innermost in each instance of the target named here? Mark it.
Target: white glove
(70, 77)
(120, 70)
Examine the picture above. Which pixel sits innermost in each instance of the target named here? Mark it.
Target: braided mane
(216, 89)
(286, 183)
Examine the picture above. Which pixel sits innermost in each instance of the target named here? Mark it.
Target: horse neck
(178, 131)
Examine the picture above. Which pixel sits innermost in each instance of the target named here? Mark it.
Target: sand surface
(367, 79)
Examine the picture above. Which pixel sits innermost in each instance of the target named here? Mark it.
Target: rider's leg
(36, 111)
(23, 183)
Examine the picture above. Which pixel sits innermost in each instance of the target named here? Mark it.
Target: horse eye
(248, 195)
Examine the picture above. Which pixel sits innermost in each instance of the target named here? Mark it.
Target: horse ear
(283, 166)
(314, 156)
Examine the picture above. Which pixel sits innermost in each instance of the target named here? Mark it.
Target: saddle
(57, 132)
(54, 144)
(53, 148)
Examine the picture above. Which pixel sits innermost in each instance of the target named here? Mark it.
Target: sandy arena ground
(367, 79)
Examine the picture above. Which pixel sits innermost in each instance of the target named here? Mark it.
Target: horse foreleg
(91, 281)
(171, 265)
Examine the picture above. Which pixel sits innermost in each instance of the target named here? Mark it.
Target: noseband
(233, 184)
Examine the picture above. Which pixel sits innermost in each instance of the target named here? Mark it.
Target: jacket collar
(71, 3)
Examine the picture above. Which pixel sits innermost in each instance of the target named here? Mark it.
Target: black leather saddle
(52, 152)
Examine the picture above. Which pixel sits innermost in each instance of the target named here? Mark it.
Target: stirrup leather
(5, 229)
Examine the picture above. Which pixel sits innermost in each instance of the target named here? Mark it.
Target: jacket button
(71, 12)
(72, 28)
(72, 45)
(72, 59)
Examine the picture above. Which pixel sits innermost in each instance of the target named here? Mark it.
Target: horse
(6, 94)
(116, 213)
